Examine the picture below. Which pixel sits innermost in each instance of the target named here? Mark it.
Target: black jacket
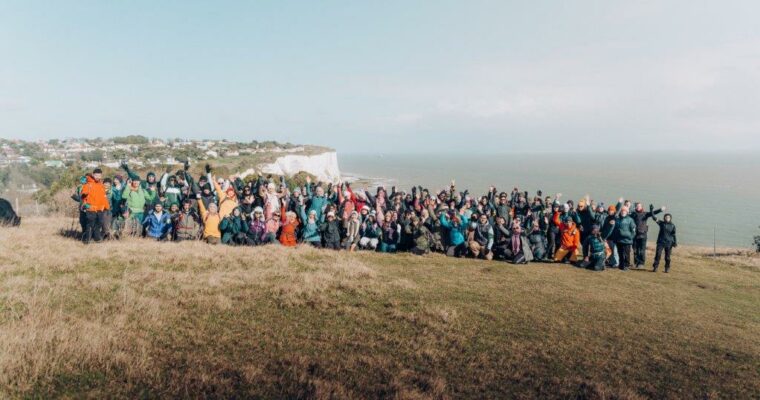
(330, 231)
(640, 218)
(667, 235)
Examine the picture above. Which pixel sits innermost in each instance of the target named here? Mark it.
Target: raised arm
(131, 174)
(202, 209)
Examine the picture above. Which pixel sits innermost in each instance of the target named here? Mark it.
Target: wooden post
(715, 228)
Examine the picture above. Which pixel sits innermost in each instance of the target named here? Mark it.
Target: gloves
(187, 165)
(651, 207)
(208, 169)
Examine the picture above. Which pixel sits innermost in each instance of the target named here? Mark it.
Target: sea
(714, 197)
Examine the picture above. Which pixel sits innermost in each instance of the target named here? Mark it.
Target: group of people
(509, 226)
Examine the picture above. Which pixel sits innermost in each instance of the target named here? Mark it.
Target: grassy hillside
(143, 319)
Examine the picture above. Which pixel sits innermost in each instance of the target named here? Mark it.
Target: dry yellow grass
(143, 319)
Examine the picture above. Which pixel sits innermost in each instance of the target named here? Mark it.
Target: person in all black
(640, 217)
(666, 240)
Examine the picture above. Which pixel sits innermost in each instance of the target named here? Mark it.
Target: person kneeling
(520, 246)
(421, 236)
(158, 224)
(594, 250)
(370, 232)
(570, 240)
(481, 238)
(234, 229)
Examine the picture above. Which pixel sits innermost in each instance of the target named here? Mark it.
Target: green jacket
(135, 199)
(420, 235)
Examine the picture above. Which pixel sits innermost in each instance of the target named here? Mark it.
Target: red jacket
(94, 195)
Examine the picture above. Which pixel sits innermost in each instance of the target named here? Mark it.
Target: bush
(757, 243)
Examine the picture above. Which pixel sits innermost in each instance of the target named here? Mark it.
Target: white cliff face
(324, 166)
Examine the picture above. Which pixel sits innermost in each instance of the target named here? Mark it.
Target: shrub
(757, 243)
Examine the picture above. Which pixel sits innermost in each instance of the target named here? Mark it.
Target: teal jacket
(625, 230)
(316, 203)
(231, 226)
(456, 233)
(114, 200)
(309, 230)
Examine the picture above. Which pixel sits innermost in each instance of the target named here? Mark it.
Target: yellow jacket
(210, 222)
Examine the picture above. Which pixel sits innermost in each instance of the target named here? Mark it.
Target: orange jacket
(571, 236)
(288, 235)
(94, 195)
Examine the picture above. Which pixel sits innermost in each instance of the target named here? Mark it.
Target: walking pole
(18, 210)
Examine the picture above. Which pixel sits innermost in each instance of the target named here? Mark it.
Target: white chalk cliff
(324, 166)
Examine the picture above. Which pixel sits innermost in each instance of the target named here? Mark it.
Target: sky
(391, 76)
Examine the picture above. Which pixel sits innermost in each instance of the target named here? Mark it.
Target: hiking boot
(667, 270)
(654, 268)
(638, 266)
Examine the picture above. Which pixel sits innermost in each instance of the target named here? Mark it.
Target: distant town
(137, 150)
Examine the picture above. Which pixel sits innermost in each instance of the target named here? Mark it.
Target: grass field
(138, 319)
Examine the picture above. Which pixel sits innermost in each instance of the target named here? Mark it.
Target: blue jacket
(157, 227)
(456, 233)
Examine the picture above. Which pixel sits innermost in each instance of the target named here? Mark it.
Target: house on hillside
(54, 163)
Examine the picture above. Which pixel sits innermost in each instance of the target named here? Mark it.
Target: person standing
(640, 217)
(666, 240)
(95, 205)
(624, 233)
